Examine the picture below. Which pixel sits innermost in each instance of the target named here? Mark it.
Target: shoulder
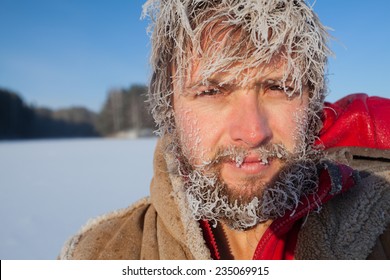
(350, 225)
(374, 190)
(115, 235)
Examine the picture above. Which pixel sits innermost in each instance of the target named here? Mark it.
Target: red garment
(357, 120)
(279, 240)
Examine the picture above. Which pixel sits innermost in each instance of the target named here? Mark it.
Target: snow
(49, 189)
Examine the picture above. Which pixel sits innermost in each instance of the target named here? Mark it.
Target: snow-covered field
(49, 189)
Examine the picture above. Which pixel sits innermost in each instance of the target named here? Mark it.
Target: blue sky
(61, 53)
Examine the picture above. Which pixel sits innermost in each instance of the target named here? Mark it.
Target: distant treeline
(124, 111)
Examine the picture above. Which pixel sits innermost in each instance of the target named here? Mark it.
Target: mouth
(249, 164)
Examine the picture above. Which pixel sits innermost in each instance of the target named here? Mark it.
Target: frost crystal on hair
(234, 36)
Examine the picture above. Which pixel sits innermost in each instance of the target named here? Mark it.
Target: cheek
(288, 125)
(197, 135)
(193, 136)
(292, 129)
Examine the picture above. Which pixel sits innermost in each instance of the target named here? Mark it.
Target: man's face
(226, 128)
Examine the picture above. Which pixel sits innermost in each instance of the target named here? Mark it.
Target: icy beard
(210, 198)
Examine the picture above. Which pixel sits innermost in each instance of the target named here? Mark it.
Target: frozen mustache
(237, 154)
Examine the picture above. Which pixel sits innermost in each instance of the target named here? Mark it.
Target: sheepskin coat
(352, 225)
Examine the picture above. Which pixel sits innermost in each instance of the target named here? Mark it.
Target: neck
(239, 245)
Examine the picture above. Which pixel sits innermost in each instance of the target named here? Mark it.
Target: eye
(287, 90)
(209, 92)
(281, 91)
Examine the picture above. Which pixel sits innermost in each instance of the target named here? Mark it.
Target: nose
(249, 126)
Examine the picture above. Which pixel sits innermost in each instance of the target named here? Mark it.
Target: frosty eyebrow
(211, 82)
(229, 85)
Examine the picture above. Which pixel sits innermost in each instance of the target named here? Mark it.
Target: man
(239, 172)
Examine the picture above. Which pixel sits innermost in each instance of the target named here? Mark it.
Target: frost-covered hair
(234, 35)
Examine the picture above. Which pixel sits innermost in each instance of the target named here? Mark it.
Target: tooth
(239, 160)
